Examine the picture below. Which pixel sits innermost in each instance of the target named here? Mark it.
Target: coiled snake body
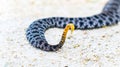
(35, 32)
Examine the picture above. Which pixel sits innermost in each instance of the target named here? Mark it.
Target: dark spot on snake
(60, 22)
(117, 16)
(75, 26)
(96, 26)
(44, 26)
(46, 44)
(71, 19)
(96, 17)
(40, 42)
(55, 46)
(61, 18)
(107, 23)
(51, 48)
(32, 42)
(30, 39)
(28, 33)
(44, 19)
(90, 22)
(111, 20)
(88, 18)
(116, 21)
(70, 22)
(35, 31)
(64, 25)
(80, 19)
(35, 35)
(104, 14)
(37, 38)
(81, 23)
(40, 21)
(100, 21)
(86, 26)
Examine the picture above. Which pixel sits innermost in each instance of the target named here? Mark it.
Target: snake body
(110, 15)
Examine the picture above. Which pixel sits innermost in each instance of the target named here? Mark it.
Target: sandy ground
(84, 48)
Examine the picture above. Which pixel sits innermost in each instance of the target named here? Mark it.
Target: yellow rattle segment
(68, 27)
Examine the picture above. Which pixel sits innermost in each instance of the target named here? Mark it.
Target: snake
(35, 33)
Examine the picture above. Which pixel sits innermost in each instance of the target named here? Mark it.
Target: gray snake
(110, 15)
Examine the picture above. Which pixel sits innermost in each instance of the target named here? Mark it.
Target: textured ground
(88, 48)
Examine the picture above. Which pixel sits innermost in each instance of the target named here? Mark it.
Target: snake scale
(110, 15)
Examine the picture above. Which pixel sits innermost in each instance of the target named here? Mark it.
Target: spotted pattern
(35, 32)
